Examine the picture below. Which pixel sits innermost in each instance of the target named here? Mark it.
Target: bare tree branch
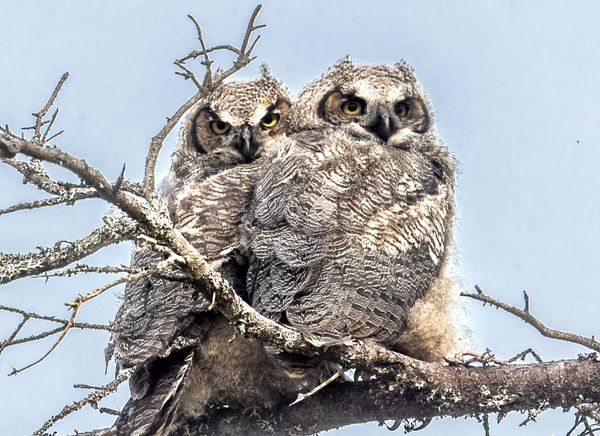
(91, 399)
(524, 354)
(87, 269)
(15, 332)
(39, 116)
(115, 229)
(34, 315)
(244, 57)
(157, 141)
(76, 304)
(526, 316)
(45, 137)
(70, 197)
(27, 316)
(33, 172)
(207, 61)
(448, 391)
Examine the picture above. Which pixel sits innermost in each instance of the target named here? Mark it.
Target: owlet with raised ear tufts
(226, 141)
(350, 228)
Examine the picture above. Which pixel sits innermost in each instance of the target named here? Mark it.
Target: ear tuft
(405, 68)
(265, 71)
(343, 63)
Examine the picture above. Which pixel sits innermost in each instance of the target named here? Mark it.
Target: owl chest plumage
(348, 235)
(209, 210)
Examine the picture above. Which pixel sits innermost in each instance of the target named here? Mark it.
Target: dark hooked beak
(382, 126)
(246, 144)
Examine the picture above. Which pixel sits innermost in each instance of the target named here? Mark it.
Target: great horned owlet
(225, 142)
(351, 225)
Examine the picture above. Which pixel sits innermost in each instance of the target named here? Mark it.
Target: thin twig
(79, 301)
(91, 399)
(65, 330)
(486, 424)
(13, 334)
(50, 124)
(526, 316)
(188, 74)
(302, 397)
(75, 306)
(207, 61)
(196, 53)
(243, 59)
(34, 315)
(38, 336)
(86, 269)
(69, 198)
(55, 135)
(534, 413)
(39, 116)
(524, 354)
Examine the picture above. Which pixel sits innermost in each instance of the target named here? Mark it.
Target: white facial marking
(259, 114)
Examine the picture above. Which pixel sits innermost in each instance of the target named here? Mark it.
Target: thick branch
(449, 391)
(33, 172)
(15, 266)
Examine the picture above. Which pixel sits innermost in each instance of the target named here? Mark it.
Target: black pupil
(352, 106)
(402, 109)
(268, 119)
(221, 125)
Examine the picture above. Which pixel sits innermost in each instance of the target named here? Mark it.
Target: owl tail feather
(154, 413)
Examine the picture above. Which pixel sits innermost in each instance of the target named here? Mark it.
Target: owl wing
(207, 207)
(154, 311)
(347, 235)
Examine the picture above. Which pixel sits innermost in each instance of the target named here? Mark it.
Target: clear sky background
(515, 87)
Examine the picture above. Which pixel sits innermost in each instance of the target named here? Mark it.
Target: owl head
(381, 101)
(238, 118)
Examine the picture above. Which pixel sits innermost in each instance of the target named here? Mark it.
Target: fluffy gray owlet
(225, 142)
(351, 226)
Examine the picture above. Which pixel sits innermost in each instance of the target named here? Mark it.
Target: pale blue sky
(515, 87)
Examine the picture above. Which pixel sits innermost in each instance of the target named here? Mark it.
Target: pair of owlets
(333, 214)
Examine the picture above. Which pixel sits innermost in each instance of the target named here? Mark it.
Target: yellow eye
(270, 120)
(219, 127)
(353, 107)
